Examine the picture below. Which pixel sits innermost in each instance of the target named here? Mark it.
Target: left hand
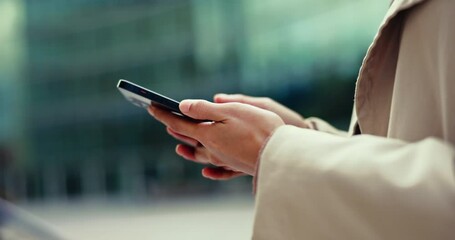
(232, 140)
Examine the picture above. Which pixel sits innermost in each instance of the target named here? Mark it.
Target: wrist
(258, 160)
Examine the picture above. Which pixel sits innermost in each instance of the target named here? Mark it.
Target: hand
(194, 151)
(289, 117)
(233, 138)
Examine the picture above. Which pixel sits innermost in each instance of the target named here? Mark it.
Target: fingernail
(185, 106)
(204, 174)
(177, 150)
(221, 95)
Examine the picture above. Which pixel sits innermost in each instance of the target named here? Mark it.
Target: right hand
(231, 139)
(192, 150)
(288, 116)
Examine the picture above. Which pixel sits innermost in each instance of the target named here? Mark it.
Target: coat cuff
(258, 162)
(265, 148)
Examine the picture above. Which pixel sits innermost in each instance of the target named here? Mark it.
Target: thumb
(202, 110)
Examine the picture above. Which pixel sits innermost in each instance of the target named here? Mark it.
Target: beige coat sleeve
(314, 185)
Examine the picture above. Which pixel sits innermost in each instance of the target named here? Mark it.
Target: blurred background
(68, 137)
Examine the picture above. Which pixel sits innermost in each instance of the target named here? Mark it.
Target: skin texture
(287, 115)
(239, 127)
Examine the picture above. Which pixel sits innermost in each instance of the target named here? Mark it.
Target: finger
(183, 138)
(226, 98)
(186, 152)
(203, 110)
(192, 154)
(176, 123)
(199, 155)
(220, 173)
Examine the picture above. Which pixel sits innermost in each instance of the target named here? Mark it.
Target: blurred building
(81, 138)
(12, 50)
(84, 136)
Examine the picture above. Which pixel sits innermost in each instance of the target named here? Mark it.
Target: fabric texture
(397, 179)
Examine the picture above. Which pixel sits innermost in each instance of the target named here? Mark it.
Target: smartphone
(143, 97)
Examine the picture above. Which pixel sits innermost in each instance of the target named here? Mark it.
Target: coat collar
(376, 77)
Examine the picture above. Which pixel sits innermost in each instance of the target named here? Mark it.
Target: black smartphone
(143, 97)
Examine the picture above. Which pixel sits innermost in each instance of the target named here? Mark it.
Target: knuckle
(267, 100)
(240, 97)
(199, 155)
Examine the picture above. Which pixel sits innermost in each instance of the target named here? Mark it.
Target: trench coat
(392, 176)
